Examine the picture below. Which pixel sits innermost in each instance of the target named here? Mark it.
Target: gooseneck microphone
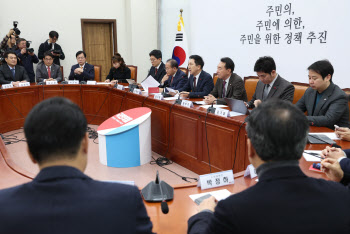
(164, 205)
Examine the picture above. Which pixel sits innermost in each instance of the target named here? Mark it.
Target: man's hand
(332, 169)
(54, 54)
(49, 79)
(165, 78)
(15, 84)
(11, 32)
(343, 133)
(333, 152)
(113, 82)
(23, 51)
(257, 102)
(78, 70)
(184, 94)
(107, 81)
(207, 204)
(209, 99)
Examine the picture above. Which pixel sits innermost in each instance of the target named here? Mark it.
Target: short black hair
(278, 130)
(322, 67)
(48, 53)
(156, 53)
(80, 52)
(229, 64)
(265, 64)
(197, 60)
(54, 129)
(6, 55)
(173, 63)
(53, 34)
(20, 40)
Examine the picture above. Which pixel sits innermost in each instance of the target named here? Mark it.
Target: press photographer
(26, 57)
(53, 47)
(9, 41)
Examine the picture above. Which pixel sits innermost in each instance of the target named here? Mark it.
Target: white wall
(214, 29)
(38, 17)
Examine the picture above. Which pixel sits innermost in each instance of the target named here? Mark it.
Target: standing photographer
(26, 58)
(51, 45)
(9, 41)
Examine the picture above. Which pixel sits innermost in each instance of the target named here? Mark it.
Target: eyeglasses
(48, 59)
(152, 60)
(80, 58)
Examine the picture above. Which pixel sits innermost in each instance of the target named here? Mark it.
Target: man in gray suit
(228, 85)
(11, 73)
(48, 71)
(326, 104)
(270, 84)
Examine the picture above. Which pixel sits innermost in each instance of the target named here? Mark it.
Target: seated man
(284, 199)
(200, 83)
(53, 47)
(26, 58)
(157, 71)
(228, 85)
(61, 196)
(326, 104)
(174, 78)
(82, 71)
(270, 84)
(48, 71)
(10, 72)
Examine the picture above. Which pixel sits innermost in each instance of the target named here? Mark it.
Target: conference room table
(100, 102)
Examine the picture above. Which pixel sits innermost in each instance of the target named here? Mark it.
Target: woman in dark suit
(119, 72)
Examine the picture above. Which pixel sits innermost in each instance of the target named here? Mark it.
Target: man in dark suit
(326, 104)
(157, 71)
(61, 196)
(200, 83)
(174, 78)
(270, 84)
(228, 84)
(26, 58)
(10, 72)
(48, 71)
(82, 71)
(284, 200)
(53, 47)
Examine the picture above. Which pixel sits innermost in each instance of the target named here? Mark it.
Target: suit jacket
(27, 61)
(88, 74)
(62, 199)
(160, 73)
(204, 85)
(41, 72)
(345, 166)
(235, 89)
(6, 76)
(46, 47)
(281, 89)
(180, 79)
(283, 201)
(119, 74)
(331, 109)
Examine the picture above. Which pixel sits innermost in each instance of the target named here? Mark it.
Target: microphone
(64, 82)
(178, 100)
(212, 109)
(82, 82)
(163, 204)
(41, 83)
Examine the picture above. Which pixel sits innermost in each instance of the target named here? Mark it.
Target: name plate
(23, 84)
(7, 86)
(137, 91)
(222, 112)
(91, 82)
(187, 103)
(158, 96)
(120, 87)
(217, 179)
(73, 81)
(51, 82)
(250, 171)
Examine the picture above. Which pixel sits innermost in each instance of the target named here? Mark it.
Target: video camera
(29, 50)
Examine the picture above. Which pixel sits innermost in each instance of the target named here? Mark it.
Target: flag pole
(181, 10)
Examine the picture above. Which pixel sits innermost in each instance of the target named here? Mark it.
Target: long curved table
(187, 145)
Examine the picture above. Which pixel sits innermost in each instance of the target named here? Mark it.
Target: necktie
(172, 78)
(49, 72)
(223, 89)
(266, 91)
(194, 83)
(13, 72)
(156, 71)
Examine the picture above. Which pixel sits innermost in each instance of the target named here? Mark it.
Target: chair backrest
(250, 83)
(215, 78)
(347, 91)
(185, 70)
(61, 67)
(97, 69)
(133, 71)
(300, 89)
